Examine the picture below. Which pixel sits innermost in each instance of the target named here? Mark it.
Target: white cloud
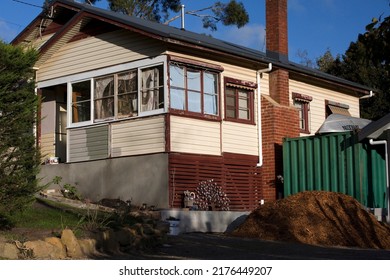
(251, 35)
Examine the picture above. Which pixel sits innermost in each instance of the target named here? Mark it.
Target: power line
(9, 22)
(22, 2)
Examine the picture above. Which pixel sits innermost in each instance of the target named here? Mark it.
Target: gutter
(259, 126)
(384, 142)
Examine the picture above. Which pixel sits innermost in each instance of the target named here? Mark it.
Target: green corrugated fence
(335, 162)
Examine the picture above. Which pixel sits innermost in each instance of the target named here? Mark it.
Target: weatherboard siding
(188, 135)
(47, 145)
(239, 138)
(136, 137)
(89, 143)
(317, 105)
(98, 52)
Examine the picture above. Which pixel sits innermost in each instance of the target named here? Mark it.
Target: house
(143, 111)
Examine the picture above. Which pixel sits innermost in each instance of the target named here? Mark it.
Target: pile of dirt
(317, 218)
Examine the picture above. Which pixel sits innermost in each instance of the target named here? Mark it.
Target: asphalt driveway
(200, 246)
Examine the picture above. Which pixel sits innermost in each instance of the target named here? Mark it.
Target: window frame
(237, 85)
(304, 102)
(113, 70)
(202, 68)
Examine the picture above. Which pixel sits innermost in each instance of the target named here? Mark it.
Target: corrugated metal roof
(171, 34)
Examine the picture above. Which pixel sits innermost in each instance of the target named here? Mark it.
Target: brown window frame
(304, 102)
(202, 91)
(237, 85)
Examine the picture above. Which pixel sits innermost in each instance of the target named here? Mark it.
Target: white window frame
(91, 75)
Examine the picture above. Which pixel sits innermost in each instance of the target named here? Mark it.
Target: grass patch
(46, 217)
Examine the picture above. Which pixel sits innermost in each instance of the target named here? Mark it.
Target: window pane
(127, 82)
(104, 97)
(210, 104)
(127, 105)
(127, 94)
(210, 83)
(193, 80)
(81, 101)
(178, 99)
(243, 114)
(230, 113)
(194, 102)
(176, 76)
(151, 89)
(301, 107)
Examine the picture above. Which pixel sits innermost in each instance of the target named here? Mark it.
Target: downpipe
(259, 127)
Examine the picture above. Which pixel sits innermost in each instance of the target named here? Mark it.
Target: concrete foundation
(204, 221)
(141, 179)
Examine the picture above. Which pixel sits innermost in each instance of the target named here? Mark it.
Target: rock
(71, 244)
(8, 251)
(88, 246)
(56, 242)
(44, 251)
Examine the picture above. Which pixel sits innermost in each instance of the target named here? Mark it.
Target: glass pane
(127, 105)
(210, 82)
(104, 87)
(194, 102)
(127, 82)
(210, 104)
(178, 99)
(176, 76)
(81, 101)
(193, 80)
(152, 85)
(104, 108)
(243, 114)
(243, 103)
(230, 113)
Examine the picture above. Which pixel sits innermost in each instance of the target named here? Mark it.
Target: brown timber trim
(237, 174)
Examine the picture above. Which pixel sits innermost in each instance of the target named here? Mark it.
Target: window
(193, 90)
(239, 100)
(302, 103)
(152, 89)
(117, 95)
(127, 94)
(81, 101)
(104, 98)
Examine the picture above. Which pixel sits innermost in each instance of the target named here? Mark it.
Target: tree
(366, 62)
(231, 13)
(19, 156)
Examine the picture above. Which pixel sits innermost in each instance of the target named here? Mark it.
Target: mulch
(317, 218)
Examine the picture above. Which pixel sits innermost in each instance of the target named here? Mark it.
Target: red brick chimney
(279, 119)
(277, 48)
(276, 29)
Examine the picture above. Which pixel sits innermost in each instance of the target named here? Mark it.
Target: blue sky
(314, 25)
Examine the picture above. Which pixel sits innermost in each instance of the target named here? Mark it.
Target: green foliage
(19, 156)
(68, 190)
(231, 13)
(367, 62)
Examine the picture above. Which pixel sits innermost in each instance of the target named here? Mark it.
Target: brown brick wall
(278, 122)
